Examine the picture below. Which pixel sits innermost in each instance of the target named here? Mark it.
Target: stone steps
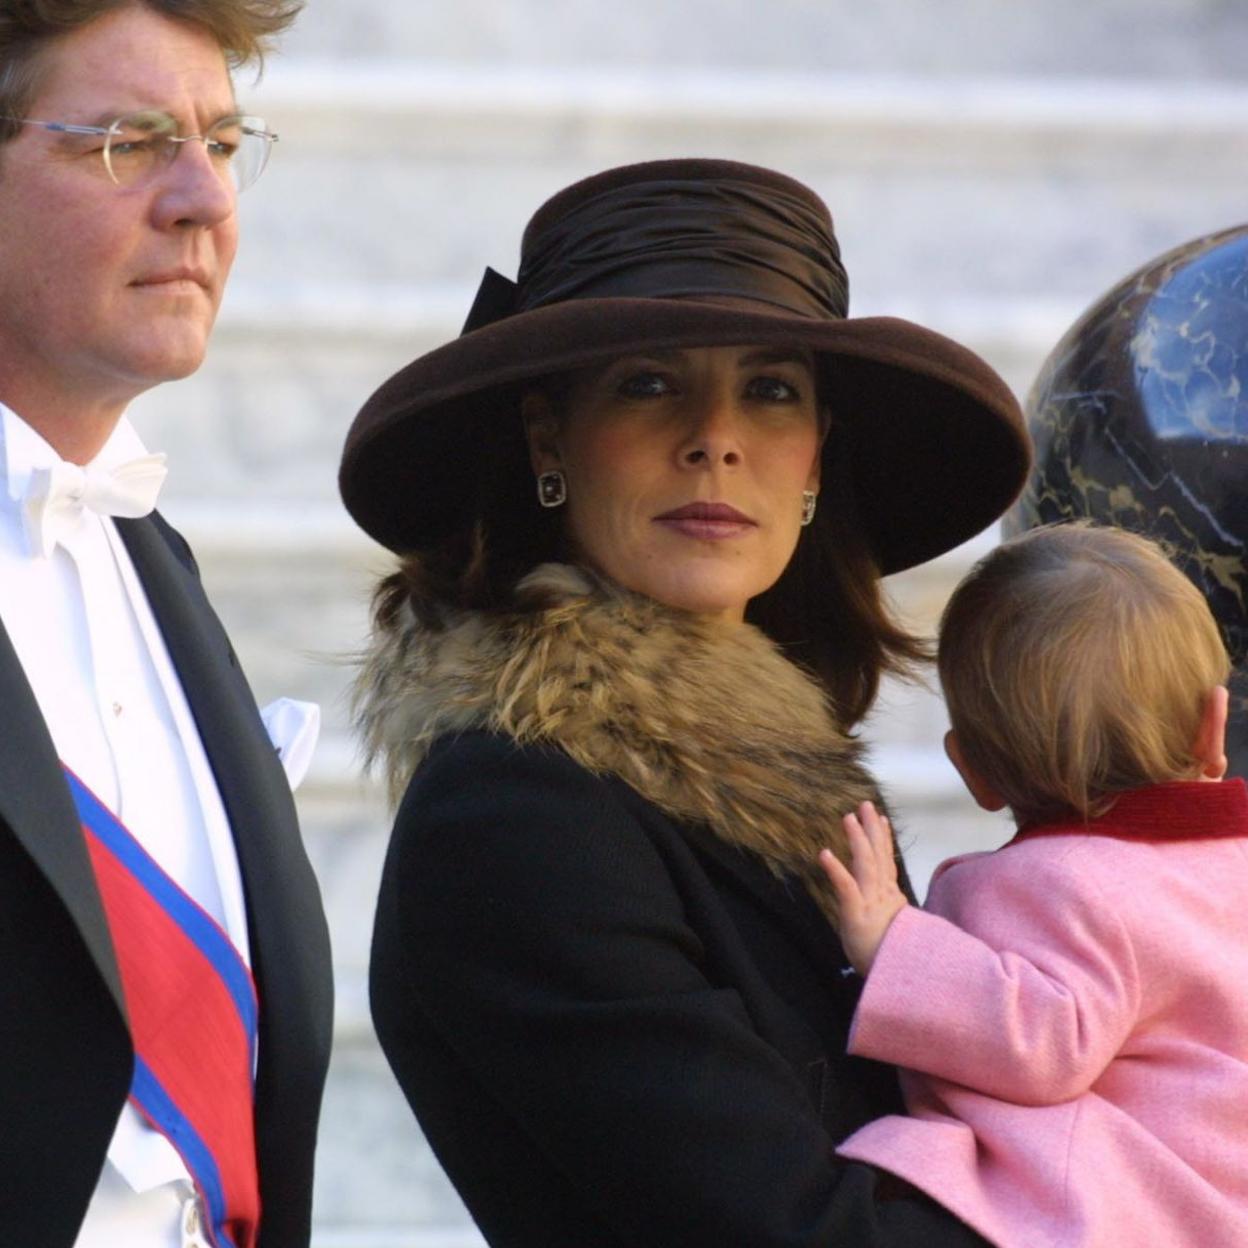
(963, 189)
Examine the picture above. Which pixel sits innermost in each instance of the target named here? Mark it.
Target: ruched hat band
(674, 239)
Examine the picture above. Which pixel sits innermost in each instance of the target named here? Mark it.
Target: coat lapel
(243, 760)
(290, 947)
(36, 805)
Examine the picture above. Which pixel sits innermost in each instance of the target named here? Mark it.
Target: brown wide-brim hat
(694, 253)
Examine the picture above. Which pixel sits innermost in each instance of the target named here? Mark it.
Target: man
(150, 865)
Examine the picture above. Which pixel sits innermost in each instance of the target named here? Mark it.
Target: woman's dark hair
(476, 568)
(827, 611)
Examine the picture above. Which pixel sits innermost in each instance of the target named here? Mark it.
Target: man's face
(107, 290)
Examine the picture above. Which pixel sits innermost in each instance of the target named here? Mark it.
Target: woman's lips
(707, 521)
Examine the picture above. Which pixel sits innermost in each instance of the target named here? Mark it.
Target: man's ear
(541, 430)
(983, 793)
(1209, 748)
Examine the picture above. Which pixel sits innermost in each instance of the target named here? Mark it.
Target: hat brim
(938, 444)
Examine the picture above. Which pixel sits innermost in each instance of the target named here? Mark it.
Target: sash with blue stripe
(192, 1009)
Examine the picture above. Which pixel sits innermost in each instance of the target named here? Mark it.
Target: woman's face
(685, 469)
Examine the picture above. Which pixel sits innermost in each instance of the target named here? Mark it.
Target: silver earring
(552, 489)
(809, 499)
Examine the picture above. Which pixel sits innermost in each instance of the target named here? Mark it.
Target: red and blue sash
(192, 1008)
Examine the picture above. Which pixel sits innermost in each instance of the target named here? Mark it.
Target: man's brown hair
(244, 30)
(1076, 662)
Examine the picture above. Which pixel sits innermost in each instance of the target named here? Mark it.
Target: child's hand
(868, 898)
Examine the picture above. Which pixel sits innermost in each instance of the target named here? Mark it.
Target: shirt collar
(22, 450)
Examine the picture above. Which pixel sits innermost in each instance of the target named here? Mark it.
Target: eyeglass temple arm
(61, 127)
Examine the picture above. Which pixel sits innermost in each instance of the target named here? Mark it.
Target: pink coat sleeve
(1024, 992)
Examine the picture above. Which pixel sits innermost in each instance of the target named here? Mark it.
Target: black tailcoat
(65, 1052)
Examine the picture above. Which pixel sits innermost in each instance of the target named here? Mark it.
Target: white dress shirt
(93, 654)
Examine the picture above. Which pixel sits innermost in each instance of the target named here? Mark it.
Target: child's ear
(1209, 748)
(983, 792)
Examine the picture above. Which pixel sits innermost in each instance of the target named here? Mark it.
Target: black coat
(616, 1029)
(65, 1054)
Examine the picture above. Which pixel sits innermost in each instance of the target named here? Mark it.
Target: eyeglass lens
(141, 144)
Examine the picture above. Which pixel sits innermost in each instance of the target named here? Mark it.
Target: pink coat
(1075, 1030)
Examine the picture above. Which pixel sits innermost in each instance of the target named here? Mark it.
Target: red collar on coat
(1179, 810)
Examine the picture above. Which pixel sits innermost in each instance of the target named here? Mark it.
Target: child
(1071, 1010)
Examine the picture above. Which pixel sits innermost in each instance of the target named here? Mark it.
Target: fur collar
(710, 723)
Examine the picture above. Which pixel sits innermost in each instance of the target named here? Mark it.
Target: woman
(644, 502)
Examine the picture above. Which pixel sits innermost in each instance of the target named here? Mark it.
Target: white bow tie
(57, 496)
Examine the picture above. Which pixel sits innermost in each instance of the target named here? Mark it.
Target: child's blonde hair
(1076, 662)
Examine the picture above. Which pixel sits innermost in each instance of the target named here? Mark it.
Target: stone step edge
(1087, 108)
(247, 529)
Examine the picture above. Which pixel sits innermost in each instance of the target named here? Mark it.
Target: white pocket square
(293, 727)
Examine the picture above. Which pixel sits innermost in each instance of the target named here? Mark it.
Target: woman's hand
(867, 894)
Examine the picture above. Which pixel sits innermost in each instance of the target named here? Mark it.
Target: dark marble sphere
(1140, 419)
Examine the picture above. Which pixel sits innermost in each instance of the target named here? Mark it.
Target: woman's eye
(643, 386)
(772, 390)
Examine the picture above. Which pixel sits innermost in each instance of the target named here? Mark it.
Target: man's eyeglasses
(140, 145)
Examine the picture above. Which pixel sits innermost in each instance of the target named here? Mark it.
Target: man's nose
(195, 189)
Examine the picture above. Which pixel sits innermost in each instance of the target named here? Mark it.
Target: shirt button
(192, 1225)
